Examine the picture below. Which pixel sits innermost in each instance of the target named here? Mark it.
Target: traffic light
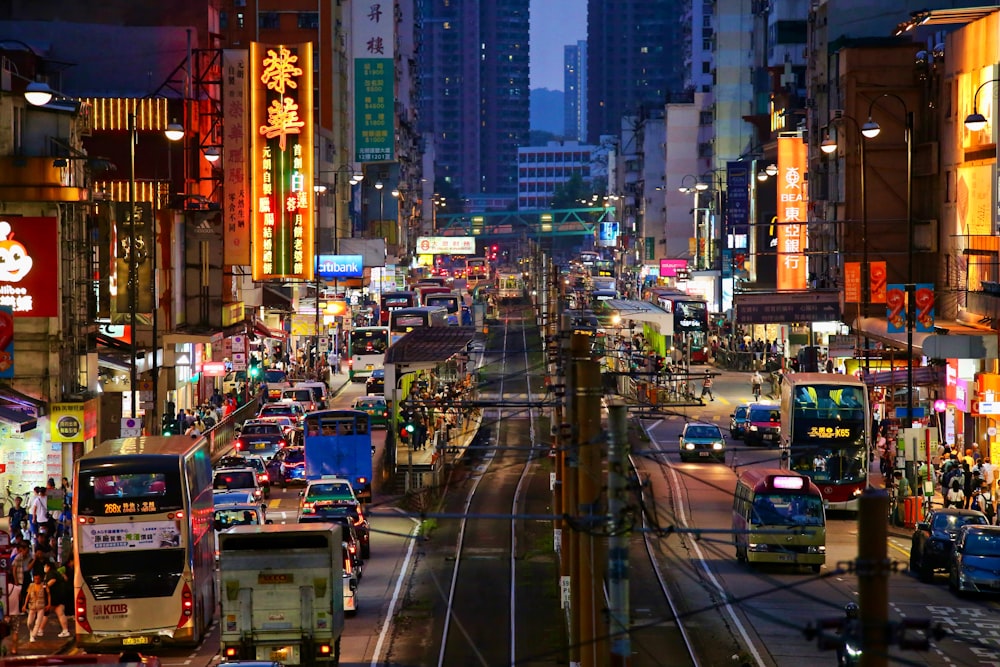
(254, 370)
(168, 425)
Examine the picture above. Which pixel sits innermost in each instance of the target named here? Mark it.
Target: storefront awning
(21, 402)
(643, 311)
(260, 329)
(20, 421)
(924, 376)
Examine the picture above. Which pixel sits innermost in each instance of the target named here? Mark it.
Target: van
(319, 392)
(303, 395)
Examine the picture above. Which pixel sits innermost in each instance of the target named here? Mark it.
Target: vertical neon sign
(282, 153)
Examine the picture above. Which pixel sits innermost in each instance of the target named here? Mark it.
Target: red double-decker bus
(393, 301)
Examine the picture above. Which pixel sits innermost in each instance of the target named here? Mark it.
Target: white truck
(282, 593)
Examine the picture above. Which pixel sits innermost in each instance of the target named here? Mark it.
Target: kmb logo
(110, 609)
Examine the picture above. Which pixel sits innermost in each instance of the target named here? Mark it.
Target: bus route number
(143, 507)
(825, 432)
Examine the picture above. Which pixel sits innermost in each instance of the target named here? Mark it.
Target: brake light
(187, 605)
(353, 548)
(263, 478)
(230, 651)
(282, 443)
(81, 611)
(238, 443)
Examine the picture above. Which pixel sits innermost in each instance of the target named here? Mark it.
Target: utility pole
(618, 537)
(587, 408)
(873, 568)
(578, 347)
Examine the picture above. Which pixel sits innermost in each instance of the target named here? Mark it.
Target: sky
(554, 24)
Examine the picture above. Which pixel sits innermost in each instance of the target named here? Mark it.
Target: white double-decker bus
(143, 541)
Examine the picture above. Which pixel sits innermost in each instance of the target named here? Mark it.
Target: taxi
(375, 406)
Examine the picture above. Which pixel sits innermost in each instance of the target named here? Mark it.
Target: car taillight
(238, 444)
(187, 605)
(282, 443)
(263, 478)
(81, 611)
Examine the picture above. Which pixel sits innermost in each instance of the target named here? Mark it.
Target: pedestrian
(955, 496)
(36, 602)
(967, 485)
(15, 519)
(60, 595)
(706, 386)
(20, 568)
(755, 382)
(38, 512)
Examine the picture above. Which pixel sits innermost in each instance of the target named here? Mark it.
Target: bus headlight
(757, 547)
(753, 427)
(816, 550)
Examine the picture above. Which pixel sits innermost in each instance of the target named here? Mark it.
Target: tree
(571, 193)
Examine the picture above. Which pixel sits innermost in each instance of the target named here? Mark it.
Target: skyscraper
(638, 53)
(474, 98)
(575, 86)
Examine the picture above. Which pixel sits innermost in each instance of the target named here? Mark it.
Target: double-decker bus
(450, 301)
(367, 347)
(778, 517)
(509, 285)
(824, 433)
(476, 269)
(143, 541)
(424, 290)
(339, 443)
(690, 320)
(390, 301)
(405, 320)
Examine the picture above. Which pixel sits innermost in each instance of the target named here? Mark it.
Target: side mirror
(923, 525)
(302, 494)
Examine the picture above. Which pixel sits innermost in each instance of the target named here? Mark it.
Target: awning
(643, 311)
(113, 362)
(20, 421)
(922, 376)
(877, 329)
(21, 402)
(275, 297)
(260, 329)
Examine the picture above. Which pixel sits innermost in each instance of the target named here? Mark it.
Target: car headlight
(688, 445)
(752, 427)
(717, 445)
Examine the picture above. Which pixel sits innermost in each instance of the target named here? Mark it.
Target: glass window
(308, 20)
(229, 479)
(268, 20)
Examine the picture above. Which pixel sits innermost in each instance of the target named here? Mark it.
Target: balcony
(29, 179)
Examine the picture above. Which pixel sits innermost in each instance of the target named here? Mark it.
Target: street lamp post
(871, 130)
(976, 121)
(355, 178)
(829, 146)
(133, 292)
(696, 189)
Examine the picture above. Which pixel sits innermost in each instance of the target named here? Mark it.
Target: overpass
(520, 224)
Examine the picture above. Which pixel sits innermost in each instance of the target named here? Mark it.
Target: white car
(238, 479)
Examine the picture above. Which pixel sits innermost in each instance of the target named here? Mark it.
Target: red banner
(792, 204)
(877, 272)
(852, 282)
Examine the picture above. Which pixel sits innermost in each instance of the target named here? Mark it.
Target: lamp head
(174, 131)
(379, 185)
(395, 192)
(38, 93)
(828, 146)
(701, 186)
(975, 122)
(212, 154)
(870, 129)
(761, 176)
(771, 170)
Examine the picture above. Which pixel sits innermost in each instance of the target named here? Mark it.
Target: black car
(255, 462)
(349, 511)
(738, 421)
(376, 383)
(288, 466)
(350, 536)
(260, 438)
(934, 539)
(763, 426)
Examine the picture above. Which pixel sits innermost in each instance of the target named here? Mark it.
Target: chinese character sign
(29, 251)
(852, 282)
(792, 218)
(446, 245)
(281, 131)
(235, 73)
(374, 99)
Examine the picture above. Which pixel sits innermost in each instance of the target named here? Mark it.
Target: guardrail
(221, 436)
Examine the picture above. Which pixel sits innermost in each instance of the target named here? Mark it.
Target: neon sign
(282, 154)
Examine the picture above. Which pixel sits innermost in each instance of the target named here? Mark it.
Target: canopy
(642, 311)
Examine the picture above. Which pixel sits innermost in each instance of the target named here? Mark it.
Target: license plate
(136, 641)
(769, 436)
(786, 557)
(370, 367)
(703, 453)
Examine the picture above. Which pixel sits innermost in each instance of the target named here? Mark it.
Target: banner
(446, 245)
(895, 308)
(73, 422)
(374, 80)
(852, 282)
(670, 267)
(876, 290)
(923, 301)
(123, 235)
(281, 127)
(738, 201)
(793, 202)
(130, 536)
(235, 164)
(29, 279)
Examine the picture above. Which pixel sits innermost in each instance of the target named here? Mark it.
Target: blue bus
(339, 442)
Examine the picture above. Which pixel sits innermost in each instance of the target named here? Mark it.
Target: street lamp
(355, 178)
(976, 121)
(829, 146)
(379, 185)
(871, 130)
(694, 189)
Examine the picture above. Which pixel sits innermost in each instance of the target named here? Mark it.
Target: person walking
(706, 386)
(20, 569)
(36, 602)
(60, 595)
(755, 383)
(15, 519)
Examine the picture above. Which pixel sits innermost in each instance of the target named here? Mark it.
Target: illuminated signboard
(340, 266)
(446, 245)
(28, 279)
(793, 202)
(281, 121)
(372, 47)
(235, 70)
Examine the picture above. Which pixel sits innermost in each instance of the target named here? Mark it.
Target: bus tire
(815, 568)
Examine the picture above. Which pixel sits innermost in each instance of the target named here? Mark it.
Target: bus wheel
(815, 568)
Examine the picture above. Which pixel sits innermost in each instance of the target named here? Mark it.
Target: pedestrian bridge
(519, 224)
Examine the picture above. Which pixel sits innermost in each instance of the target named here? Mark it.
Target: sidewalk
(48, 643)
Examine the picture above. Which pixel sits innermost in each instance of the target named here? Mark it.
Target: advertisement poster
(373, 50)
(793, 203)
(235, 70)
(28, 249)
(852, 282)
(923, 301)
(132, 536)
(876, 286)
(895, 308)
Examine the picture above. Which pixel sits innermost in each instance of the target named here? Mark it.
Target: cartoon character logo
(15, 263)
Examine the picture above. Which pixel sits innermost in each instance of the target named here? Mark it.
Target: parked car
(738, 421)
(763, 425)
(975, 560)
(288, 466)
(702, 441)
(375, 384)
(376, 408)
(255, 462)
(934, 538)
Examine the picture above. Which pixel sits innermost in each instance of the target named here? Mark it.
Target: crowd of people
(433, 408)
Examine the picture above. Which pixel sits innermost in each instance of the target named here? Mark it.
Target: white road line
(391, 612)
(682, 518)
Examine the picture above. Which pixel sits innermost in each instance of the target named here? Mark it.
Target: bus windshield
(369, 341)
(129, 491)
(786, 509)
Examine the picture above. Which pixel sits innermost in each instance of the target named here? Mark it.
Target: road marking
(391, 612)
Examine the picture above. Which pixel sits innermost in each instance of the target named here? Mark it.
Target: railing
(221, 436)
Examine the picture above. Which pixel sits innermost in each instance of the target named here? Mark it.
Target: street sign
(131, 427)
(324, 343)
(787, 307)
(918, 413)
(239, 344)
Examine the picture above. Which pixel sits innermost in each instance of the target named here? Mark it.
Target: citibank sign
(340, 266)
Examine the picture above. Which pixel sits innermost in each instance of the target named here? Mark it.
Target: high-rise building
(637, 56)
(474, 98)
(575, 87)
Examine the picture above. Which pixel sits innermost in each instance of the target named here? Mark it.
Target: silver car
(975, 561)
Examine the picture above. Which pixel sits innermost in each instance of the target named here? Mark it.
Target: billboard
(446, 245)
(793, 202)
(340, 266)
(281, 152)
(235, 70)
(374, 99)
(29, 250)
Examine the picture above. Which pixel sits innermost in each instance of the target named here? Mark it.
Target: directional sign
(787, 307)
